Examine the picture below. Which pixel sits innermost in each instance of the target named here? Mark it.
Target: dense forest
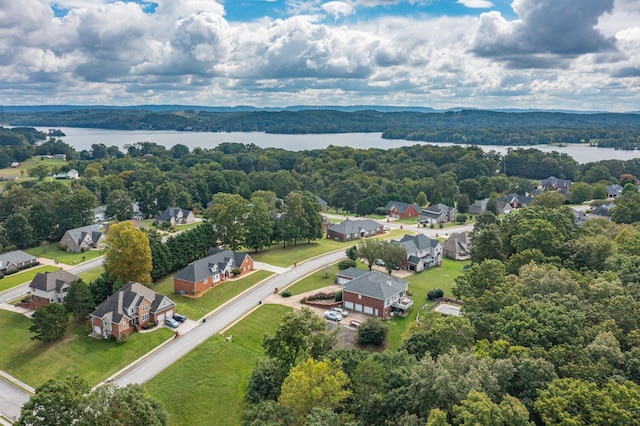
(551, 326)
(465, 127)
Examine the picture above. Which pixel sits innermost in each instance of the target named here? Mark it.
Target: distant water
(82, 139)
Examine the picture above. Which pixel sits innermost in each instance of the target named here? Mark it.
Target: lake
(82, 139)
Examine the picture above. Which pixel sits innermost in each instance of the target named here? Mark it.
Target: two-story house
(378, 294)
(438, 213)
(422, 252)
(50, 287)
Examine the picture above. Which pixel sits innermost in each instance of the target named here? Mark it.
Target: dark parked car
(179, 318)
(170, 322)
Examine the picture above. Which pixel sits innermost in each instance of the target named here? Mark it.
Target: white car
(342, 312)
(333, 316)
(386, 228)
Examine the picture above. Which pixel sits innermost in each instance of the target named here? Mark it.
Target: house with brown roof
(203, 274)
(349, 230)
(83, 238)
(50, 287)
(457, 246)
(399, 210)
(378, 294)
(128, 309)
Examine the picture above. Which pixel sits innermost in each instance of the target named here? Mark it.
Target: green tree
(119, 205)
(314, 384)
(259, 225)
(372, 332)
(128, 254)
(227, 215)
(421, 199)
(550, 200)
(39, 171)
(370, 250)
(471, 187)
(462, 203)
(492, 206)
(393, 254)
(166, 194)
(55, 403)
(300, 335)
(49, 322)
(79, 300)
(112, 405)
(580, 192)
(437, 417)
(18, 231)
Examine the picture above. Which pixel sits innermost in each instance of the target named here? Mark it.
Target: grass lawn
(315, 281)
(195, 308)
(13, 280)
(76, 354)
(91, 274)
(63, 256)
(208, 385)
(407, 221)
(28, 164)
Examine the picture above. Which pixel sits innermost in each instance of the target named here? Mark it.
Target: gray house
(438, 213)
(14, 260)
(457, 246)
(422, 252)
(83, 239)
(354, 229)
(50, 287)
(176, 216)
(480, 207)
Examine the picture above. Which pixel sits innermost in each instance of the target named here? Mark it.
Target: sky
(529, 54)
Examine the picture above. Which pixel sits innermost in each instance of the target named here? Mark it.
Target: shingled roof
(16, 256)
(415, 243)
(355, 226)
(131, 294)
(216, 259)
(376, 285)
(52, 280)
(78, 234)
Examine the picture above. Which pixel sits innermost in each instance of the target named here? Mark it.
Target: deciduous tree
(79, 300)
(49, 322)
(128, 254)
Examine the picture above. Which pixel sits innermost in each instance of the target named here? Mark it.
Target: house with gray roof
(400, 210)
(480, 207)
(614, 191)
(457, 246)
(203, 274)
(517, 201)
(378, 294)
(555, 183)
(349, 229)
(176, 216)
(82, 239)
(50, 287)
(438, 213)
(128, 309)
(422, 252)
(15, 260)
(343, 277)
(323, 204)
(601, 212)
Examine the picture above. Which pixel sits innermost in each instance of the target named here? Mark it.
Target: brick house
(128, 309)
(203, 274)
(378, 294)
(176, 216)
(50, 287)
(401, 210)
(348, 230)
(83, 238)
(15, 260)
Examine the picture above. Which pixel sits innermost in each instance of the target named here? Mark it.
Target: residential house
(378, 294)
(50, 287)
(176, 216)
(480, 207)
(554, 183)
(99, 214)
(399, 210)
(130, 308)
(614, 191)
(323, 204)
(422, 252)
(601, 212)
(457, 246)
(83, 239)
(346, 275)
(326, 223)
(438, 213)
(15, 260)
(203, 274)
(580, 217)
(71, 174)
(349, 230)
(517, 201)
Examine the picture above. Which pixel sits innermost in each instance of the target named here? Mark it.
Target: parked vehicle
(386, 228)
(179, 318)
(340, 311)
(332, 316)
(170, 322)
(379, 262)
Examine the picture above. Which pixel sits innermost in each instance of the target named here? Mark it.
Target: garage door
(97, 329)
(169, 313)
(358, 308)
(368, 310)
(348, 305)
(160, 317)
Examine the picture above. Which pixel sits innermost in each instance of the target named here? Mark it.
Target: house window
(145, 307)
(145, 317)
(124, 326)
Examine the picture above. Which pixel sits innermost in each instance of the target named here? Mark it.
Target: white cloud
(476, 4)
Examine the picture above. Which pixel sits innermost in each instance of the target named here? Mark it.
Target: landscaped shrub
(435, 293)
(372, 332)
(461, 218)
(285, 293)
(235, 271)
(380, 211)
(338, 297)
(441, 225)
(346, 264)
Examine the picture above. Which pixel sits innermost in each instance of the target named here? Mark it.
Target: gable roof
(354, 226)
(400, 206)
(78, 234)
(50, 281)
(351, 273)
(415, 243)
(16, 256)
(203, 268)
(131, 294)
(322, 202)
(437, 208)
(457, 241)
(172, 212)
(376, 285)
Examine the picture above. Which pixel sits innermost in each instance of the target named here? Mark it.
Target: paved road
(11, 400)
(227, 315)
